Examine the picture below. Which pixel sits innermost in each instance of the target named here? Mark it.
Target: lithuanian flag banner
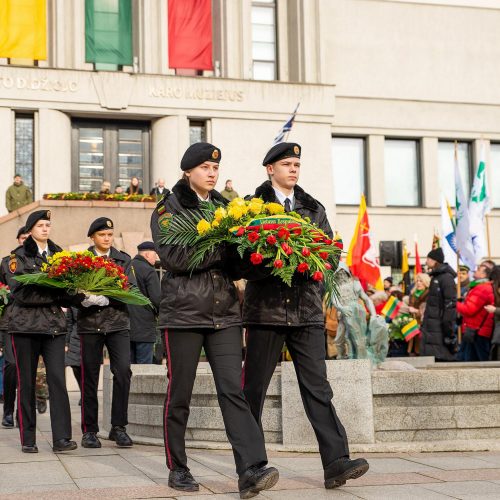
(23, 29)
(410, 330)
(391, 308)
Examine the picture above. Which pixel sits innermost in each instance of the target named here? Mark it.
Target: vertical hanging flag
(448, 241)
(418, 265)
(362, 256)
(479, 206)
(108, 32)
(23, 29)
(405, 270)
(287, 127)
(462, 225)
(190, 34)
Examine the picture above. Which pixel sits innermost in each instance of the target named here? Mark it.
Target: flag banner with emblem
(410, 330)
(448, 241)
(462, 224)
(23, 29)
(108, 32)
(418, 265)
(287, 127)
(405, 270)
(362, 257)
(391, 308)
(190, 34)
(479, 206)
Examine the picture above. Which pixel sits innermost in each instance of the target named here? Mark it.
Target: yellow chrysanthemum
(274, 208)
(260, 201)
(236, 212)
(215, 223)
(203, 227)
(220, 213)
(255, 208)
(237, 202)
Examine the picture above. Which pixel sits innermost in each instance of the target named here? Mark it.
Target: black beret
(146, 245)
(282, 150)
(100, 224)
(20, 231)
(34, 217)
(198, 153)
(437, 255)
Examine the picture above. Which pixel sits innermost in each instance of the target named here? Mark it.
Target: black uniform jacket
(143, 318)
(206, 298)
(34, 309)
(440, 313)
(111, 318)
(269, 301)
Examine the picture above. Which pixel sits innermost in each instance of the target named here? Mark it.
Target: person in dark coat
(495, 310)
(143, 318)
(201, 310)
(275, 313)
(438, 325)
(72, 357)
(104, 322)
(37, 326)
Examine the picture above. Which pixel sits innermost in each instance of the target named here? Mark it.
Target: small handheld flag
(410, 330)
(392, 307)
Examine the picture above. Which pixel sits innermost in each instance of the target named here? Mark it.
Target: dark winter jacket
(268, 301)
(111, 318)
(206, 298)
(473, 312)
(440, 315)
(72, 357)
(35, 309)
(143, 318)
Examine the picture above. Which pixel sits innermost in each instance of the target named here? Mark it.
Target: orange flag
(362, 257)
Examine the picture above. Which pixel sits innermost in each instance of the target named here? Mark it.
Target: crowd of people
(193, 311)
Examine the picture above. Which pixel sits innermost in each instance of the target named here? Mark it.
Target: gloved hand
(95, 300)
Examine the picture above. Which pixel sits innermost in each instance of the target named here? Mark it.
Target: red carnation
(323, 255)
(327, 241)
(241, 231)
(317, 276)
(283, 233)
(328, 265)
(286, 248)
(306, 252)
(256, 258)
(271, 239)
(303, 267)
(297, 231)
(253, 236)
(278, 263)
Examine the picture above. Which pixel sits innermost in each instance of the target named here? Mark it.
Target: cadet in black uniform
(9, 375)
(276, 313)
(104, 322)
(37, 325)
(202, 310)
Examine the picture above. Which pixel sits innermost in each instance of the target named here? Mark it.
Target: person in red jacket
(475, 316)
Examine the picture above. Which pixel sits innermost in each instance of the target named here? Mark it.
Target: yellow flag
(23, 29)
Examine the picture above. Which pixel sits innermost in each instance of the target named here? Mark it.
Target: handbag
(469, 334)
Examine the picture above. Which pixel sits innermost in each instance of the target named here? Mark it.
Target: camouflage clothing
(41, 388)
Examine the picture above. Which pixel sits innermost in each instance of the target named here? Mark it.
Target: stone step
(423, 400)
(438, 435)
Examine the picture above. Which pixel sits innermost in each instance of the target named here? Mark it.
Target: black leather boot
(30, 448)
(119, 435)
(256, 479)
(8, 420)
(41, 405)
(343, 469)
(90, 440)
(64, 445)
(182, 480)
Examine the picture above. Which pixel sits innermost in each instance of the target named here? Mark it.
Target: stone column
(52, 152)
(169, 140)
(7, 140)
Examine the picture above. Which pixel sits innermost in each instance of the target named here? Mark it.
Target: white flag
(448, 241)
(479, 206)
(462, 228)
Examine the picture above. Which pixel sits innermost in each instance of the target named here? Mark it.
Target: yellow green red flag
(23, 29)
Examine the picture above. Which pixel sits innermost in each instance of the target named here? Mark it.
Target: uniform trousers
(91, 346)
(223, 350)
(27, 349)
(307, 349)
(9, 376)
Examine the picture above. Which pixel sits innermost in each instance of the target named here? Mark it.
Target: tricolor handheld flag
(287, 127)
(392, 307)
(410, 330)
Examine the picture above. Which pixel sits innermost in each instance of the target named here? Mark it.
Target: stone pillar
(429, 172)
(375, 177)
(169, 139)
(52, 153)
(7, 140)
(352, 397)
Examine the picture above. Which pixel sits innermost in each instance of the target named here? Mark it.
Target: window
(113, 152)
(348, 156)
(494, 172)
(197, 131)
(446, 168)
(401, 173)
(24, 149)
(264, 40)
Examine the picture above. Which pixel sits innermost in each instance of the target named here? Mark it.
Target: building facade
(386, 88)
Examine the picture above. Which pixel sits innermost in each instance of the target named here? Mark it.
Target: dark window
(197, 131)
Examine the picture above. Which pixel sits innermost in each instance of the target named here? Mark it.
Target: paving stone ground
(141, 472)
